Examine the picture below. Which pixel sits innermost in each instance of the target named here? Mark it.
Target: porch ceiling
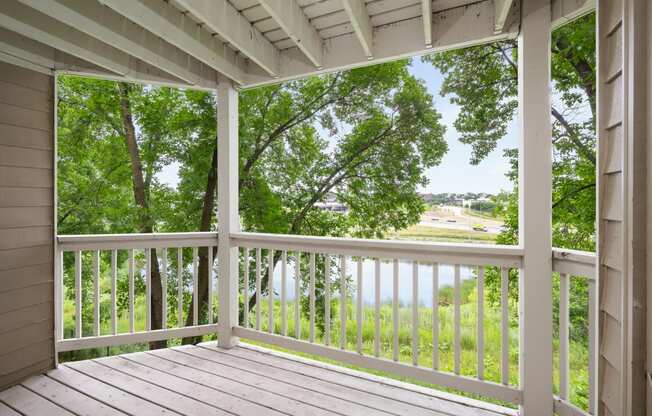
(253, 42)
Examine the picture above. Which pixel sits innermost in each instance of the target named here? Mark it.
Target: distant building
(332, 206)
(331, 203)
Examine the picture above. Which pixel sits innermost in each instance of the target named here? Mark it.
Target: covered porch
(228, 45)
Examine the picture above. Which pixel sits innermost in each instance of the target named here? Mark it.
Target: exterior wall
(26, 223)
(622, 245)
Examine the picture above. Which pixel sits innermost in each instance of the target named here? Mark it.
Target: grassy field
(492, 340)
(448, 235)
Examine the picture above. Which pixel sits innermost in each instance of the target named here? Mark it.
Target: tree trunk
(207, 215)
(144, 218)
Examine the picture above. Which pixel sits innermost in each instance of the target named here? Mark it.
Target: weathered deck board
(374, 403)
(105, 393)
(367, 383)
(197, 371)
(29, 403)
(202, 380)
(68, 398)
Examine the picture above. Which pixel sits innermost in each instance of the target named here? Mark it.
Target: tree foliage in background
(366, 135)
(483, 82)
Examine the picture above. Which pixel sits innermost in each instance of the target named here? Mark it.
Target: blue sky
(455, 174)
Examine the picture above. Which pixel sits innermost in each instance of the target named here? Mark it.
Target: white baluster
(377, 332)
(395, 311)
(78, 294)
(245, 289)
(195, 287)
(211, 279)
(297, 295)
(327, 299)
(180, 287)
(164, 288)
(504, 302)
(131, 266)
(435, 316)
(114, 290)
(270, 291)
(284, 294)
(593, 347)
(563, 336)
(359, 312)
(258, 287)
(415, 313)
(343, 302)
(480, 323)
(148, 288)
(457, 320)
(96, 292)
(312, 297)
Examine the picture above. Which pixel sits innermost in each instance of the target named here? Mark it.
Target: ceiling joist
(167, 22)
(296, 25)
(42, 28)
(502, 9)
(357, 13)
(456, 28)
(222, 18)
(28, 53)
(25, 49)
(188, 42)
(426, 12)
(104, 24)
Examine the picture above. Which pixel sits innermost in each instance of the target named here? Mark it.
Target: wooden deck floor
(204, 380)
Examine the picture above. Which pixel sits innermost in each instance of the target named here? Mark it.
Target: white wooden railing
(572, 264)
(343, 264)
(81, 246)
(283, 250)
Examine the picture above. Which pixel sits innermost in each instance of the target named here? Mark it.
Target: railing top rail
(575, 262)
(446, 253)
(128, 241)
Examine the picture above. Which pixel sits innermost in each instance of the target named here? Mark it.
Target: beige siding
(611, 206)
(621, 208)
(26, 223)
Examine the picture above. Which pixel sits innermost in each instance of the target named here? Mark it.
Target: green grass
(449, 235)
(492, 340)
(479, 214)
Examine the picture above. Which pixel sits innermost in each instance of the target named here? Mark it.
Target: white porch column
(535, 208)
(228, 217)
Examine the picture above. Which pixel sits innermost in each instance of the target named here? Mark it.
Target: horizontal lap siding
(26, 223)
(611, 206)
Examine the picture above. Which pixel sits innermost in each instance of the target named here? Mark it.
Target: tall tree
(141, 187)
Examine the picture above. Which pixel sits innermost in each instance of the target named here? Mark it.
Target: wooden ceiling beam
(357, 13)
(225, 20)
(296, 25)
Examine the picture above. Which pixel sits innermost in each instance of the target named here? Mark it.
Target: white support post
(228, 218)
(535, 208)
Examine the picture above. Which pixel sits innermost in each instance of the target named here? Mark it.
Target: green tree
(366, 135)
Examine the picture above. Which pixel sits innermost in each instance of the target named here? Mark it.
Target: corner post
(535, 208)
(228, 210)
